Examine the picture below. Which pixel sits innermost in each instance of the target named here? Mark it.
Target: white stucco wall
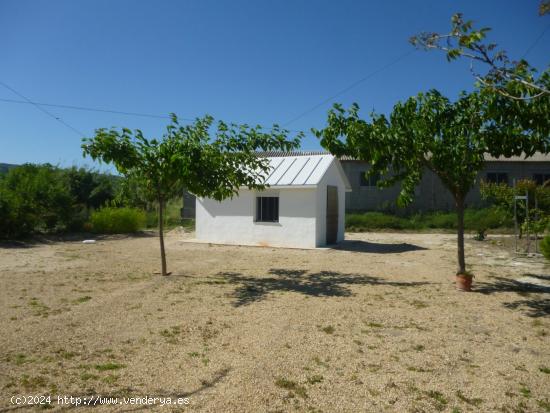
(331, 177)
(232, 221)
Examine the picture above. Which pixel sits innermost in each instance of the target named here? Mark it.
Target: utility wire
(40, 108)
(89, 109)
(351, 86)
(537, 40)
(118, 112)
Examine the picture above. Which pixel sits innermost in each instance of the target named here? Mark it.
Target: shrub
(35, 198)
(478, 220)
(45, 198)
(545, 247)
(487, 218)
(374, 220)
(444, 220)
(110, 220)
(172, 215)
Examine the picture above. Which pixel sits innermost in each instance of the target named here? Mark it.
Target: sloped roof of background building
(537, 157)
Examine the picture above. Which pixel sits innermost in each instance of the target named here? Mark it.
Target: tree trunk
(460, 234)
(161, 236)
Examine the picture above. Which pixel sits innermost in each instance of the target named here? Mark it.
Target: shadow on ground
(320, 284)
(376, 248)
(536, 302)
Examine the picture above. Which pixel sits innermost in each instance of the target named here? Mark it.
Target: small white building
(303, 207)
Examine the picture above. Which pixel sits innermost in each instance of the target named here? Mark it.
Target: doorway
(332, 214)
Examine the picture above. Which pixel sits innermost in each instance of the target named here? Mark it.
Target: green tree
(429, 131)
(91, 189)
(502, 196)
(34, 198)
(514, 79)
(209, 162)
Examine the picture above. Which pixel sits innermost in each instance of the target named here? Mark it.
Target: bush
(478, 220)
(44, 198)
(487, 218)
(117, 220)
(35, 198)
(443, 220)
(545, 247)
(172, 215)
(374, 220)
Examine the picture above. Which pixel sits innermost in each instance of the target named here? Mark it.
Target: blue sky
(254, 61)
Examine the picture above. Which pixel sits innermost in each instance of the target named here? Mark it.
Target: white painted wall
(232, 221)
(302, 216)
(331, 177)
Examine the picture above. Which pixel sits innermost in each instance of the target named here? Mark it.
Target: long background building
(430, 195)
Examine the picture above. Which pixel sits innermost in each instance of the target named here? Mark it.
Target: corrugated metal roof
(537, 157)
(297, 170)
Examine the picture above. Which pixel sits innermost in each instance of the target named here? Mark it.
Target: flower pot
(464, 282)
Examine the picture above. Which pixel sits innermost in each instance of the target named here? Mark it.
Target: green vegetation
(534, 217)
(48, 199)
(45, 199)
(506, 115)
(439, 398)
(508, 78)
(474, 220)
(545, 247)
(292, 386)
(172, 215)
(110, 220)
(316, 378)
(109, 366)
(211, 161)
(431, 132)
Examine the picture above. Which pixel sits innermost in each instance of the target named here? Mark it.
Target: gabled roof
(301, 170)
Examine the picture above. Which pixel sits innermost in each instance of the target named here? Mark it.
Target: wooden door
(332, 214)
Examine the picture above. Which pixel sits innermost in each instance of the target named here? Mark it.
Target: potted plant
(464, 281)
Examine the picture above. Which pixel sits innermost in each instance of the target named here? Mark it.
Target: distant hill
(5, 167)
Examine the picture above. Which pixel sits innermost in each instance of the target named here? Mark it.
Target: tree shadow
(535, 304)
(320, 284)
(376, 248)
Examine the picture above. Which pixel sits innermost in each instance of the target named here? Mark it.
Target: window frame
(259, 208)
(497, 178)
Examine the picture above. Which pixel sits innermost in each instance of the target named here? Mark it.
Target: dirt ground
(373, 326)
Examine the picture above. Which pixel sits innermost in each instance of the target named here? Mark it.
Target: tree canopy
(208, 161)
(515, 79)
(450, 138)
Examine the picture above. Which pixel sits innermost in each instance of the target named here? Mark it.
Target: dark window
(267, 209)
(368, 180)
(540, 179)
(497, 177)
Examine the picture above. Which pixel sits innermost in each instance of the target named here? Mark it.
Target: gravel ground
(373, 326)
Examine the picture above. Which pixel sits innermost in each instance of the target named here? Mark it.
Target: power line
(537, 40)
(351, 86)
(88, 109)
(40, 108)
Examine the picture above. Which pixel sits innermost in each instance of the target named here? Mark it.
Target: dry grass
(375, 326)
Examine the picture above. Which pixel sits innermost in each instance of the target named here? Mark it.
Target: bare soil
(375, 325)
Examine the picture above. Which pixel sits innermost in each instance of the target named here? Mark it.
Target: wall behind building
(430, 195)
